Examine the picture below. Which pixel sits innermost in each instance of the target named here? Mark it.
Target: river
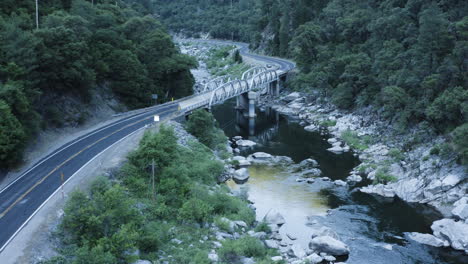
(373, 227)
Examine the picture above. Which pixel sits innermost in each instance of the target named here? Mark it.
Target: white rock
(271, 243)
(213, 257)
(275, 218)
(332, 140)
(261, 156)
(291, 97)
(240, 223)
(142, 261)
(329, 258)
(241, 175)
(463, 200)
(323, 231)
(290, 236)
(340, 183)
(276, 258)
(238, 158)
(237, 138)
(455, 232)
(244, 163)
(426, 239)
(380, 189)
(311, 173)
(297, 251)
(461, 211)
(314, 258)
(354, 178)
(329, 245)
(308, 163)
(450, 181)
(245, 143)
(336, 149)
(311, 128)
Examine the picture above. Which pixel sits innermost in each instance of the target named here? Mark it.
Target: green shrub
(195, 210)
(153, 236)
(382, 176)
(396, 154)
(435, 150)
(460, 142)
(245, 246)
(201, 124)
(263, 227)
(328, 123)
(352, 139)
(223, 224)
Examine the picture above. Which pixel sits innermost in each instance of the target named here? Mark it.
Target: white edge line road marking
(59, 188)
(62, 148)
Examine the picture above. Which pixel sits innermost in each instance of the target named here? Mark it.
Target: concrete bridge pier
(275, 87)
(246, 102)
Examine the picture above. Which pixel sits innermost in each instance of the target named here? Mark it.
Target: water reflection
(271, 188)
(373, 227)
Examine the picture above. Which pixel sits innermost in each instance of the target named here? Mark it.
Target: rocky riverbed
(404, 165)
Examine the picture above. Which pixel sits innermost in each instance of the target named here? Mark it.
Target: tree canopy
(80, 47)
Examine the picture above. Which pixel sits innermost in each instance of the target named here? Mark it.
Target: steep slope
(49, 72)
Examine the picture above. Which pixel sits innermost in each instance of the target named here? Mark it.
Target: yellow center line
(72, 157)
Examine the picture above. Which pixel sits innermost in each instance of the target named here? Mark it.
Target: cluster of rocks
(237, 170)
(420, 176)
(183, 137)
(448, 232)
(323, 246)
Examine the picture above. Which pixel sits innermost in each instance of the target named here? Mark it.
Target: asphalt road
(20, 199)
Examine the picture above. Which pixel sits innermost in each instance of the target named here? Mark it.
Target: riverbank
(411, 165)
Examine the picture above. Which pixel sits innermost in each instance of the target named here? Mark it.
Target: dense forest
(406, 58)
(79, 47)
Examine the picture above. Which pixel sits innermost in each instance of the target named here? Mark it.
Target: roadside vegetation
(226, 60)
(116, 47)
(122, 218)
(204, 127)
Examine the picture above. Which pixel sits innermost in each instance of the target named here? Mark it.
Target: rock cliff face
(400, 164)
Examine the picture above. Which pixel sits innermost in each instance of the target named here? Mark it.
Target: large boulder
(314, 258)
(241, 176)
(297, 251)
(427, 239)
(291, 97)
(271, 243)
(455, 232)
(311, 128)
(323, 231)
(244, 143)
(379, 189)
(261, 156)
(329, 245)
(461, 211)
(308, 164)
(336, 149)
(274, 218)
(311, 173)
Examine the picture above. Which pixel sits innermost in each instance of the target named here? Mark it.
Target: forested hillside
(407, 58)
(78, 48)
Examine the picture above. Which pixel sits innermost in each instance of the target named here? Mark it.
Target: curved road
(21, 199)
